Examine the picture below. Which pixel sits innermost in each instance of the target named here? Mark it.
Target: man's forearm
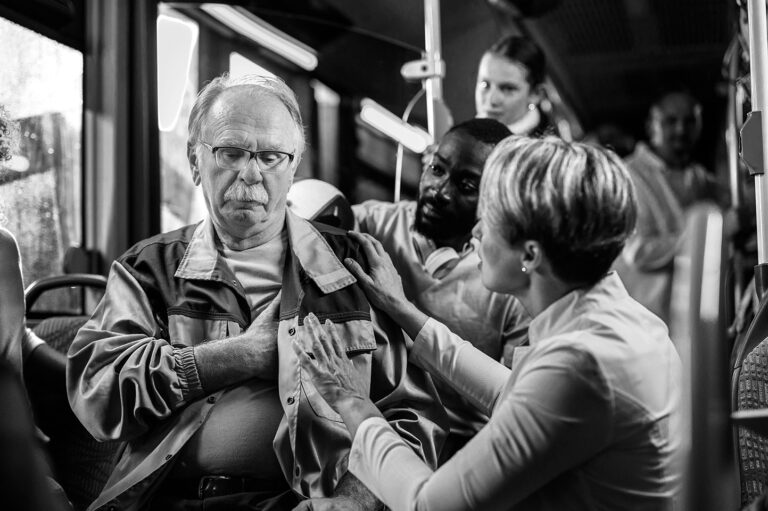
(228, 361)
(350, 486)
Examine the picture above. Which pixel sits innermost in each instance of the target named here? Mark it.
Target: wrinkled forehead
(247, 108)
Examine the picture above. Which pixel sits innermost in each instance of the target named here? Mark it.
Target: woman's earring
(524, 269)
(531, 106)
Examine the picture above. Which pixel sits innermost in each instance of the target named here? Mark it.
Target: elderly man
(431, 245)
(188, 357)
(668, 181)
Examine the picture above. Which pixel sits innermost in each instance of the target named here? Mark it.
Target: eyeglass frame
(251, 156)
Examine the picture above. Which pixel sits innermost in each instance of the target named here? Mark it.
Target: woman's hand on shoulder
(382, 283)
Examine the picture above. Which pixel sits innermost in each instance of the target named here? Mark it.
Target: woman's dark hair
(526, 52)
(577, 200)
(487, 131)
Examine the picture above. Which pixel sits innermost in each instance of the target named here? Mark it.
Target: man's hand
(252, 354)
(332, 504)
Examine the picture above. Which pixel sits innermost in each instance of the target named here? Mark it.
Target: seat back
(752, 394)
(749, 384)
(81, 464)
(697, 327)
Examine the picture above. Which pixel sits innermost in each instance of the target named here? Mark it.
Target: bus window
(40, 187)
(177, 65)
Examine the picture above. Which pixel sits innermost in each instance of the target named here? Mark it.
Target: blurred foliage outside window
(40, 187)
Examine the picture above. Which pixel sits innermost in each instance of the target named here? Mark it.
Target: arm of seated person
(350, 495)
(470, 372)
(656, 240)
(44, 363)
(557, 416)
(11, 302)
(124, 374)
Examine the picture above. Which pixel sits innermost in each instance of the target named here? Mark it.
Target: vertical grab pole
(434, 84)
(733, 124)
(758, 63)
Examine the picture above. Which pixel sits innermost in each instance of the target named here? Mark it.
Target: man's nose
(251, 174)
(444, 191)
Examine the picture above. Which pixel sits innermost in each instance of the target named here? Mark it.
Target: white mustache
(242, 193)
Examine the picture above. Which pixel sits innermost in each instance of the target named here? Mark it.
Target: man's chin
(432, 229)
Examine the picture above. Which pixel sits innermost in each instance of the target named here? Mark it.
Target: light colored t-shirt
(236, 439)
(590, 419)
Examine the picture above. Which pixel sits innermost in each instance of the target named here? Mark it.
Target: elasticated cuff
(186, 369)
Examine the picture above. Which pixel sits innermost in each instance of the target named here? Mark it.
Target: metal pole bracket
(751, 147)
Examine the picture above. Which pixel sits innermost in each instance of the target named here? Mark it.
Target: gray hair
(577, 200)
(261, 85)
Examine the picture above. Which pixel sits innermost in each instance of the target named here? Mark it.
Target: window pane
(182, 202)
(40, 188)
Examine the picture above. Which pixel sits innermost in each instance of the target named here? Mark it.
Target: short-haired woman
(590, 416)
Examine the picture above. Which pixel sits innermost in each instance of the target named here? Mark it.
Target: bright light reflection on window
(176, 41)
(240, 66)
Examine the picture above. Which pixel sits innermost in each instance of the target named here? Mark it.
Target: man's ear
(651, 124)
(193, 163)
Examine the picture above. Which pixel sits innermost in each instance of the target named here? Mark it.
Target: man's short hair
(261, 85)
(577, 200)
(524, 51)
(674, 90)
(487, 131)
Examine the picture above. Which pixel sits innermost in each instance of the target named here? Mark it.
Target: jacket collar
(314, 254)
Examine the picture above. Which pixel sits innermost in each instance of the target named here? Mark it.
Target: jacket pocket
(360, 344)
(361, 358)
(187, 331)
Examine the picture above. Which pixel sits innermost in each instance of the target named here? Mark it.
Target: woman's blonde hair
(577, 200)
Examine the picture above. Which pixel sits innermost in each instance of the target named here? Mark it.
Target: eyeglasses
(236, 158)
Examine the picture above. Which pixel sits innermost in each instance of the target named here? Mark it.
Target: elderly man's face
(449, 186)
(674, 127)
(248, 204)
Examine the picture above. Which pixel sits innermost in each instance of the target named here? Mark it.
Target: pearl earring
(524, 269)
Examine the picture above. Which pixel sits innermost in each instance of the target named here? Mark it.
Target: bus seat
(752, 394)
(698, 329)
(749, 384)
(80, 463)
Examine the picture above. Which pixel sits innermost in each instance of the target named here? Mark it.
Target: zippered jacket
(131, 372)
